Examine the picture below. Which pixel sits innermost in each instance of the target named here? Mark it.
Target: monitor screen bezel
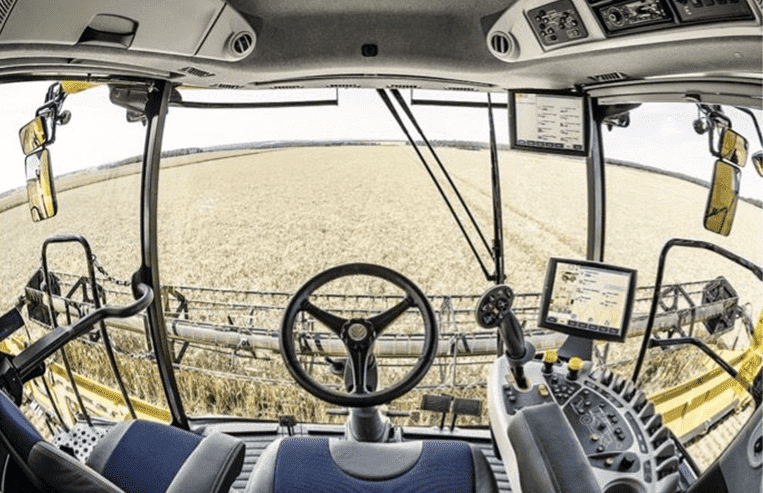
(587, 334)
(513, 120)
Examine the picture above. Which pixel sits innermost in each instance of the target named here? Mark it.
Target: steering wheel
(358, 336)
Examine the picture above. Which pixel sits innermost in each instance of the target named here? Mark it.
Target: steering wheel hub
(357, 331)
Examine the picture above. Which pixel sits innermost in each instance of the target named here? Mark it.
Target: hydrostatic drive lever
(494, 311)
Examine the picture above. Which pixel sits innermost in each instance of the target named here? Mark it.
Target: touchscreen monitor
(588, 299)
(548, 122)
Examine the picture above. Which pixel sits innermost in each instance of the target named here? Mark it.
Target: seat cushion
(313, 465)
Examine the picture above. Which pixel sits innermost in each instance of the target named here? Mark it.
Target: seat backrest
(46, 467)
(319, 465)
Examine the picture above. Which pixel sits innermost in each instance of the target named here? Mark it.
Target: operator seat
(318, 465)
(133, 457)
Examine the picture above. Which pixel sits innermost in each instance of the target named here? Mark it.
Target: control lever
(494, 311)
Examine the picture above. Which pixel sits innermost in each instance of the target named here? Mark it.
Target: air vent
(196, 72)
(500, 43)
(610, 77)
(402, 86)
(5, 8)
(288, 87)
(344, 86)
(241, 44)
(464, 89)
(226, 86)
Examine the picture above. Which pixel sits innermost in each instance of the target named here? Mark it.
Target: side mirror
(733, 147)
(757, 161)
(722, 201)
(39, 186)
(33, 135)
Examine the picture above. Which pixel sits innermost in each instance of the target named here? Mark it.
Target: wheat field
(271, 219)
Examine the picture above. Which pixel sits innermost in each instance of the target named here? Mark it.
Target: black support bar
(688, 243)
(156, 114)
(500, 276)
(399, 121)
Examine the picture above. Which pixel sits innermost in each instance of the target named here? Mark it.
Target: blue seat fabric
(148, 457)
(16, 427)
(306, 465)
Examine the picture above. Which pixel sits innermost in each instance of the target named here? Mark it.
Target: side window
(95, 161)
(657, 182)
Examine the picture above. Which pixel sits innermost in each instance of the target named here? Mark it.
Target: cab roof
(439, 44)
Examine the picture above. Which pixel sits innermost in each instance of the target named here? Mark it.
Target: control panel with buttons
(621, 433)
(556, 23)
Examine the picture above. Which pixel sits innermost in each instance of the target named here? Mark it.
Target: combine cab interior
(279, 246)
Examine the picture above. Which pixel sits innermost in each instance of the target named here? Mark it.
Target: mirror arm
(754, 122)
(28, 360)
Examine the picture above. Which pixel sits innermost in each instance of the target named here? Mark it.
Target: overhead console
(628, 16)
(531, 29)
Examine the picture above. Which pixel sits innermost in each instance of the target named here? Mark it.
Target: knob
(549, 358)
(627, 461)
(573, 367)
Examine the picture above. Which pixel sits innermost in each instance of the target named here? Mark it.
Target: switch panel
(557, 23)
(712, 10)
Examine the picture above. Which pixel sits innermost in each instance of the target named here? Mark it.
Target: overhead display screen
(548, 122)
(588, 299)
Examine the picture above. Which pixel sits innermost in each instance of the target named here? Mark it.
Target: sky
(98, 133)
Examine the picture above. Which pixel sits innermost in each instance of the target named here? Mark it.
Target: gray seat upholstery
(133, 457)
(348, 466)
(551, 456)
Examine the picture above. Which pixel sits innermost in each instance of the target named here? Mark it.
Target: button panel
(711, 10)
(556, 23)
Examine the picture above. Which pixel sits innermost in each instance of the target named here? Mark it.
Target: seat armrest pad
(212, 467)
(65, 473)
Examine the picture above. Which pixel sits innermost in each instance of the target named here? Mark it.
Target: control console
(621, 435)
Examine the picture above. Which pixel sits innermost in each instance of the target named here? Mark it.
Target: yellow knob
(575, 364)
(550, 356)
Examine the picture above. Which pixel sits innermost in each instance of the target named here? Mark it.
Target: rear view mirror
(733, 147)
(722, 201)
(757, 161)
(33, 135)
(39, 185)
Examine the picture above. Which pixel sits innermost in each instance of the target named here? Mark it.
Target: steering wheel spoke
(385, 319)
(330, 320)
(359, 361)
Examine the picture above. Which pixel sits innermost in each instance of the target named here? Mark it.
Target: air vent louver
(196, 72)
(464, 89)
(5, 8)
(402, 86)
(288, 87)
(610, 77)
(500, 43)
(344, 86)
(227, 86)
(242, 44)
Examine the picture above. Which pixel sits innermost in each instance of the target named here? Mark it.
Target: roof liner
(432, 44)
